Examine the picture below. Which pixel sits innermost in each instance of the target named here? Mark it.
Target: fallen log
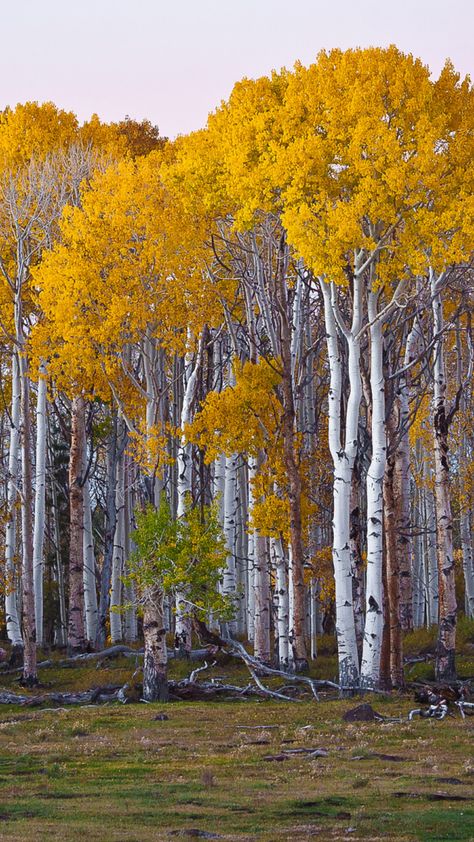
(96, 695)
(111, 652)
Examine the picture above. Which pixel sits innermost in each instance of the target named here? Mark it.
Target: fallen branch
(254, 664)
(192, 677)
(461, 705)
(110, 652)
(272, 693)
(437, 711)
(96, 694)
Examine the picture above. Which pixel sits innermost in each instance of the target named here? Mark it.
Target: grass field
(118, 773)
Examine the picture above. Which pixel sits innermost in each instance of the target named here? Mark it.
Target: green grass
(115, 773)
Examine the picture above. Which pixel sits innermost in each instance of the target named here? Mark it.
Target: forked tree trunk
(343, 456)
(76, 640)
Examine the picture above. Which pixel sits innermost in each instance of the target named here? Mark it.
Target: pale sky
(173, 62)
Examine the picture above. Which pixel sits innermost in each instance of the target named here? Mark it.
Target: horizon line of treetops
(236, 371)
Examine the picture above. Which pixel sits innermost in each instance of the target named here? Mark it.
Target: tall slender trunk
(40, 500)
(241, 549)
(11, 576)
(262, 600)
(118, 554)
(190, 374)
(251, 550)
(281, 589)
(292, 469)
(29, 677)
(418, 554)
(231, 502)
(466, 546)
(465, 497)
(371, 650)
(446, 647)
(130, 618)
(60, 637)
(402, 486)
(90, 590)
(343, 457)
(109, 530)
(392, 564)
(429, 523)
(76, 640)
(357, 562)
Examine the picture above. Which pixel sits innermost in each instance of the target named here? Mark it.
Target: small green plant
(185, 556)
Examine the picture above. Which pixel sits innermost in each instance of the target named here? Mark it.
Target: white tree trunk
(130, 617)
(231, 503)
(262, 600)
(118, 554)
(241, 549)
(40, 499)
(11, 598)
(281, 590)
(445, 656)
(372, 646)
(184, 469)
(291, 611)
(431, 577)
(343, 461)
(90, 591)
(250, 586)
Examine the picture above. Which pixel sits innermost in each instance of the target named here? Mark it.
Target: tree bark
(155, 681)
(371, 650)
(40, 500)
(297, 585)
(281, 589)
(343, 457)
(76, 639)
(118, 554)
(89, 579)
(262, 601)
(30, 677)
(11, 596)
(392, 564)
(109, 530)
(445, 668)
(402, 486)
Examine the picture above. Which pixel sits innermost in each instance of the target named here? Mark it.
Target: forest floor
(230, 770)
